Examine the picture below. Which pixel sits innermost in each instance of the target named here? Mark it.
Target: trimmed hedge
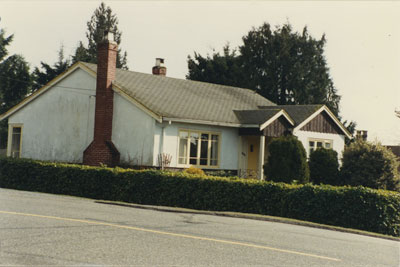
(287, 161)
(353, 207)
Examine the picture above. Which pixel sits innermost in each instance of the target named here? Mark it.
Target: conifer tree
(102, 19)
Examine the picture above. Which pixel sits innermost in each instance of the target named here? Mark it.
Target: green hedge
(353, 207)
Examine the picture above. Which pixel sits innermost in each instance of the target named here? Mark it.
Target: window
(198, 148)
(15, 145)
(317, 143)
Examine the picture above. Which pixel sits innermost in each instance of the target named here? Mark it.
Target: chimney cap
(108, 36)
(160, 62)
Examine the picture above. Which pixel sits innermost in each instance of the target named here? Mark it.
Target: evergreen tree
(4, 42)
(15, 82)
(284, 66)
(42, 77)
(102, 19)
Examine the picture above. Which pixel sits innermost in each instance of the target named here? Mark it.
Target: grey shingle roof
(186, 99)
(255, 116)
(297, 112)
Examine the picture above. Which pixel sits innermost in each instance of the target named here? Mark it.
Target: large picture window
(198, 148)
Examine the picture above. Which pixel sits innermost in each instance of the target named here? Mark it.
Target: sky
(362, 49)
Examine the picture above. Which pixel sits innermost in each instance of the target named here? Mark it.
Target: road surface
(44, 229)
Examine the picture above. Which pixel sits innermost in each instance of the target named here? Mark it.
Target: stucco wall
(229, 142)
(338, 140)
(133, 133)
(58, 125)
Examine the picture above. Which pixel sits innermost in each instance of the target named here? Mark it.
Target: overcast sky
(362, 50)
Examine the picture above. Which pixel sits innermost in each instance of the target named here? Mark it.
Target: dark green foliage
(15, 82)
(48, 73)
(287, 161)
(284, 66)
(371, 165)
(4, 42)
(220, 69)
(359, 208)
(102, 19)
(324, 167)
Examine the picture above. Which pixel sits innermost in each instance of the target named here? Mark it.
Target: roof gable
(303, 114)
(322, 123)
(41, 91)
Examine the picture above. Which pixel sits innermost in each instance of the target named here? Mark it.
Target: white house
(96, 114)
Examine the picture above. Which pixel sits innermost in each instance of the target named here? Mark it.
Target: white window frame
(316, 140)
(199, 132)
(11, 127)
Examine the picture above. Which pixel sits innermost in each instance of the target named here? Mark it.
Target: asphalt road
(43, 229)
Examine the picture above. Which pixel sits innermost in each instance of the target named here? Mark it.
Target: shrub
(371, 165)
(287, 161)
(194, 170)
(354, 207)
(324, 167)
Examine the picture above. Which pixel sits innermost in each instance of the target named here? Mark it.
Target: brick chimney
(362, 134)
(102, 149)
(159, 68)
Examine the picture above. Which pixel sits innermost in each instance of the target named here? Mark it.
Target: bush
(371, 165)
(359, 208)
(193, 170)
(324, 167)
(287, 161)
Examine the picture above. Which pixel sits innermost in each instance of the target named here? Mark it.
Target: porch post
(261, 158)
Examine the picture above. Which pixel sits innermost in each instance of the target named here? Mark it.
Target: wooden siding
(322, 123)
(277, 128)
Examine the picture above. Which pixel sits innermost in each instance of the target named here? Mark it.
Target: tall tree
(4, 42)
(284, 66)
(102, 19)
(15, 82)
(44, 75)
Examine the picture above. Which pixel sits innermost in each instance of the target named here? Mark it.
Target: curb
(250, 216)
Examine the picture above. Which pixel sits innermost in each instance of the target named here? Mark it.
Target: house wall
(58, 125)
(229, 146)
(133, 133)
(338, 140)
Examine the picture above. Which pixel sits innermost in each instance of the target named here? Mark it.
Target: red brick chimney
(102, 149)
(159, 68)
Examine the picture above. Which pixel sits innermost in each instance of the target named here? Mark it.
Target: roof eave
(214, 123)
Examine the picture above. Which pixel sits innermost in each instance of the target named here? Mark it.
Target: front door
(253, 146)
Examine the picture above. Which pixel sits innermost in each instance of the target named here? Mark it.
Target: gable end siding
(322, 123)
(277, 128)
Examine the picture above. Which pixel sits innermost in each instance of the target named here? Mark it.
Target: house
(97, 114)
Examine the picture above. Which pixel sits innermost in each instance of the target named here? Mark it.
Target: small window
(313, 144)
(16, 134)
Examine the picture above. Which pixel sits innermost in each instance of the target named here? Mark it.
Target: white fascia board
(40, 91)
(331, 115)
(277, 115)
(214, 123)
(118, 89)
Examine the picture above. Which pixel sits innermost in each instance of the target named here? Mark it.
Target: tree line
(285, 66)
